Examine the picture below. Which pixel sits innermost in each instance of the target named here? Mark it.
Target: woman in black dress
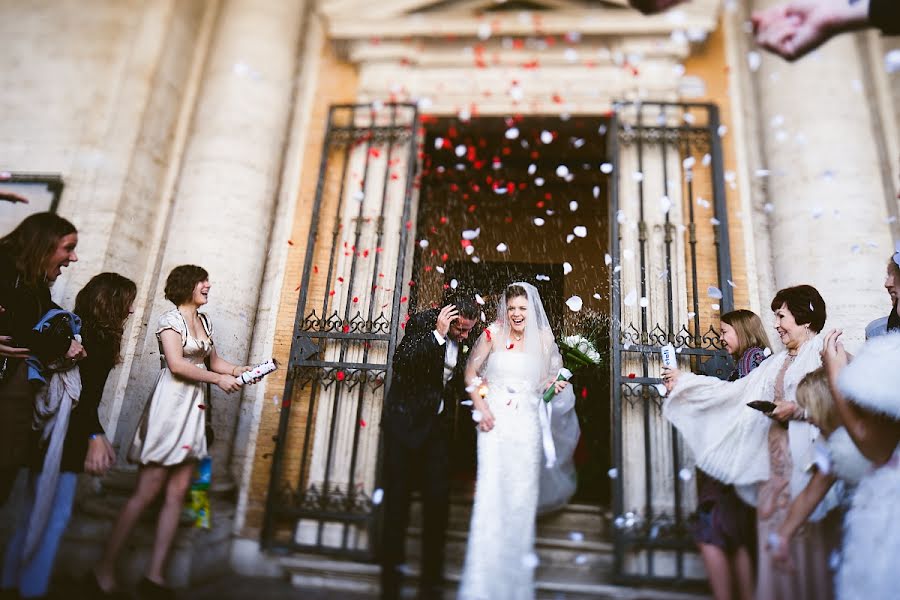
(103, 305)
(32, 256)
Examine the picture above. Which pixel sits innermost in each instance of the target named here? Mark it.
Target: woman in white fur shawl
(867, 398)
(765, 455)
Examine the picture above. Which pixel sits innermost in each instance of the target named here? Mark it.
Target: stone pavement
(235, 587)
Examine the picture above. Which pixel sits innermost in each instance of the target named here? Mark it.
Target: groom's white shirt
(451, 355)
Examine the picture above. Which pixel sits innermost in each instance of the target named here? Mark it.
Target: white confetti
(574, 303)
(580, 231)
(606, 168)
(722, 130)
(714, 292)
(479, 299)
(569, 238)
(715, 307)
(539, 181)
(532, 169)
(562, 171)
(576, 536)
(501, 247)
(630, 298)
(689, 162)
(439, 270)
(637, 176)
(460, 150)
(470, 250)
(546, 137)
(359, 196)
(423, 243)
(471, 234)
(607, 259)
(665, 204)
(538, 221)
(613, 473)
(377, 496)
(573, 206)
(597, 297)
(476, 416)
(767, 351)
(438, 143)
(512, 133)
(892, 61)
(567, 268)
(645, 302)
(686, 474)
(596, 192)
(530, 561)
(661, 389)
(542, 277)
(454, 284)
(753, 60)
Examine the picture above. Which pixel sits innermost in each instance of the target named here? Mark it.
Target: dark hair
(181, 281)
(805, 303)
(894, 266)
(464, 302)
(749, 329)
(103, 305)
(33, 242)
(514, 291)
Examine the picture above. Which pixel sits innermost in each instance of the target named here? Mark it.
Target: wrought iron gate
(322, 495)
(670, 279)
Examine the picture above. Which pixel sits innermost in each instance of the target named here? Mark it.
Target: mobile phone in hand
(764, 406)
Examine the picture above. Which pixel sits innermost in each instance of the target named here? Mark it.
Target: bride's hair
(514, 291)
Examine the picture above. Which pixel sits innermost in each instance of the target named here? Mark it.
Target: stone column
(829, 207)
(225, 196)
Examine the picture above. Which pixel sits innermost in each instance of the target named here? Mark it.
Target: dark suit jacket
(417, 384)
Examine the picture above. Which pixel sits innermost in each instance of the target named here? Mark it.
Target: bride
(513, 362)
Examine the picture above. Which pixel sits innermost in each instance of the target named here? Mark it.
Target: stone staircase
(198, 555)
(575, 559)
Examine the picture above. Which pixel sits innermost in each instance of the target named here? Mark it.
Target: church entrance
(505, 199)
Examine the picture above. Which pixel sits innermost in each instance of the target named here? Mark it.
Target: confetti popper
(563, 375)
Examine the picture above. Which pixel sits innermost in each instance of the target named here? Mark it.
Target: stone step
(579, 520)
(592, 557)
(559, 583)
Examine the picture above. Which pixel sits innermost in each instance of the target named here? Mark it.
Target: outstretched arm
(802, 506)
(876, 436)
(793, 29)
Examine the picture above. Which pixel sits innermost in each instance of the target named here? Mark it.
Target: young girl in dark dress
(725, 530)
(103, 305)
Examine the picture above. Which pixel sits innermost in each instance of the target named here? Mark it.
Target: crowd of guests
(54, 364)
(798, 454)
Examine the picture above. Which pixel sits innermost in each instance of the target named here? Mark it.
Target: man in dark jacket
(427, 381)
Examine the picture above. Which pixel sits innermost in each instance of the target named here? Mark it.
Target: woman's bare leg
(744, 578)
(718, 569)
(150, 481)
(176, 488)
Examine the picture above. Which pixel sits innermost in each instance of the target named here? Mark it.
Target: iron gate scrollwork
(322, 495)
(670, 280)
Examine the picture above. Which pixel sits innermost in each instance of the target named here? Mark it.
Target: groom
(427, 382)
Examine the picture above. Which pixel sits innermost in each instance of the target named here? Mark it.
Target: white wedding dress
(524, 462)
(500, 558)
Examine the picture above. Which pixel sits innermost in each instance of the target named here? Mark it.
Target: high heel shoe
(150, 590)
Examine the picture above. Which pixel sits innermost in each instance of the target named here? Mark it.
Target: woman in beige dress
(171, 436)
(729, 441)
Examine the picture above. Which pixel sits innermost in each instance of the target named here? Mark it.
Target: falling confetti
(530, 561)
(606, 168)
(714, 292)
(576, 536)
(567, 268)
(613, 473)
(476, 416)
(479, 299)
(539, 221)
(630, 298)
(753, 60)
(685, 474)
(580, 231)
(573, 206)
(574, 303)
(471, 234)
(512, 133)
(546, 137)
(562, 171)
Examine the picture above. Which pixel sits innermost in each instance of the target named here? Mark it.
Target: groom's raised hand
(447, 315)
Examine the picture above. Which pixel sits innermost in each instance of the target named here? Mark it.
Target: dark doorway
(506, 199)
